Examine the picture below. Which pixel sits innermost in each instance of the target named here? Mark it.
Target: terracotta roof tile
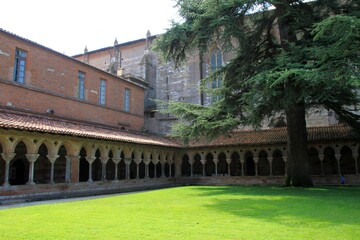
(50, 124)
(12, 119)
(279, 136)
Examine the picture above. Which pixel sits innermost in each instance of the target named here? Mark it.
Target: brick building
(82, 126)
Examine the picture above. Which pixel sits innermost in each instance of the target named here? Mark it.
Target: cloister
(33, 158)
(47, 157)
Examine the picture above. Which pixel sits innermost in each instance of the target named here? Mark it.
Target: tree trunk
(298, 171)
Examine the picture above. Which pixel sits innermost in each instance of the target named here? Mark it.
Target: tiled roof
(13, 119)
(279, 136)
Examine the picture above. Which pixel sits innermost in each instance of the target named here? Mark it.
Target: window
(19, 68)
(81, 77)
(102, 95)
(216, 64)
(127, 100)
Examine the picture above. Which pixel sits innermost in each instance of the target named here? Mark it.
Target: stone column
(321, 157)
(103, 167)
(116, 161)
(162, 169)
(191, 161)
(7, 157)
(127, 164)
(31, 157)
(146, 162)
(203, 162)
(90, 161)
(52, 159)
(242, 161)
(216, 161)
(137, 169)
(177, 169)
(270, 162)
(285, 161)
(228, 161)
(256, 160)
(338, 156)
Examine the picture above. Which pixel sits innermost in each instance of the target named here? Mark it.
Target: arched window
(216, 63)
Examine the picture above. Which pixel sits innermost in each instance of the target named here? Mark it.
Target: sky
(67, 26)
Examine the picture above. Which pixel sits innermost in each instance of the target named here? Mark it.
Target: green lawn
(194, 213)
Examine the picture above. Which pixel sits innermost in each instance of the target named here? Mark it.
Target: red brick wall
(51, 82)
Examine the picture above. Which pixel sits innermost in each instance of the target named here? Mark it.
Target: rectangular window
(102, 95)
(127, 100)
(81, 77)
(19, 68)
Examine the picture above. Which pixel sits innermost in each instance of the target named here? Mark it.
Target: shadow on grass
(333, 205)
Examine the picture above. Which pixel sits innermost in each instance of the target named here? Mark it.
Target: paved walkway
(25, 204)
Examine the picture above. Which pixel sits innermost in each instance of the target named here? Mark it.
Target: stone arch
(222, 166)
(249, 164)
(83, 166)
(19, 166)
(330, 162)
(263, 164)
(314, 161)
(347, 161)
(209, 165)
(42, 166)
(185, 166)
(30, 145)
(278, 163)
(110, 167)
(60, 165)
(235, 165)
(197, 166)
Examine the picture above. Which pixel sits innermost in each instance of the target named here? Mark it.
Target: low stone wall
(28, 193)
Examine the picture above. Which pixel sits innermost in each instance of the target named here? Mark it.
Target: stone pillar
(285, 161)
(321, 157)
(191, 161)
(52, 159)
(116, 160)
(216, 161)
(7, 157)
(103, 167)
(127, 163)
(355, 156)
(31, 157)
(137, 161)
(242, 161)
(203, 162)
(90, 161)
(228, 161)
(338, 156)
(146, 162)
(256, 161)
(270, 162)
(162, 169)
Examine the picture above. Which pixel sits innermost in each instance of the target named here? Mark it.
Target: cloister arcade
(36, 158)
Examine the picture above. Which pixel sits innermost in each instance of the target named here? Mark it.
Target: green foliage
(194, 213)
(295, 52)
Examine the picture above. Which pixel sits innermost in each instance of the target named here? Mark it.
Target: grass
(194, 213)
